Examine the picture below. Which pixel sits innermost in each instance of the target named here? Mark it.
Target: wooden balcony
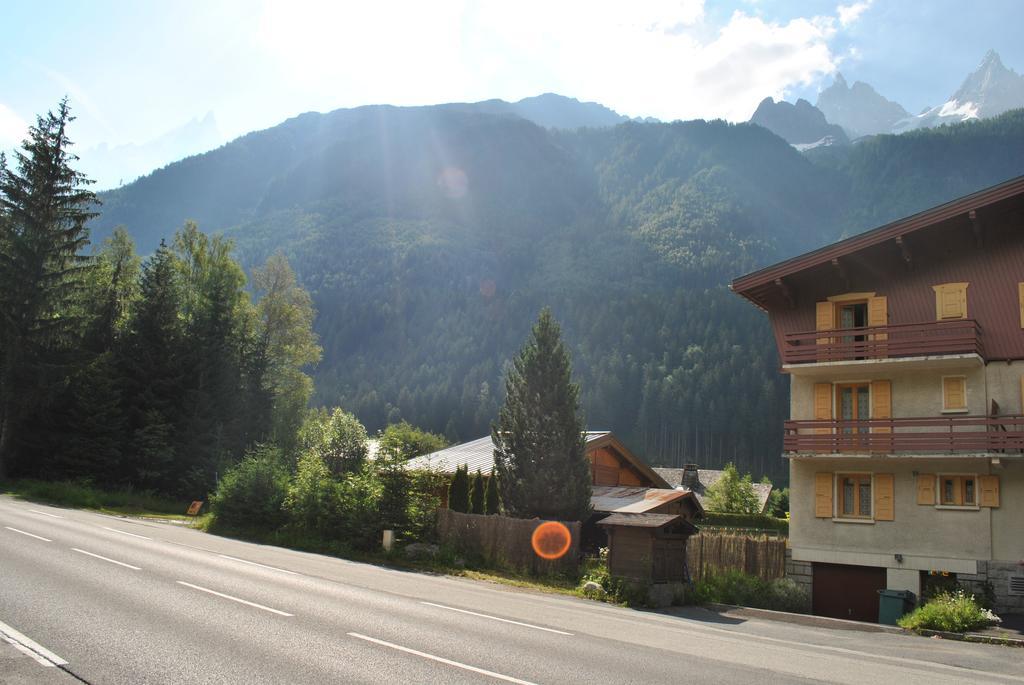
(933, 435)
(962, 336)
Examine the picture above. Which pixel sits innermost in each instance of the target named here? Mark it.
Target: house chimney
(689, 476)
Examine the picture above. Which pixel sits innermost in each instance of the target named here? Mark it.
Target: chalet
(904, 348)
(699, 480)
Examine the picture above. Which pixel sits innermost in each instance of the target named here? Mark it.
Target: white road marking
(442, 660)
(36, 511)
(112, 561)
(31, 535)
(233, 599)
(30, 647)
(123, 532)
(495, 618)
(253, 563)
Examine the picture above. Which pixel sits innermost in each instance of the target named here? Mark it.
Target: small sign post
(193, 509)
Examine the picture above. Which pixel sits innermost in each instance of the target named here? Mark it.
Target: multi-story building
(904, 347)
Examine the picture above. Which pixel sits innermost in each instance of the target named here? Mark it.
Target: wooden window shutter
(1020, 297)
(823, 495)
(954, 392)
(824, 320)
(950, 301)
(989, 487)
(926, 488)
(881, 404)
(878, 315)
(885, 508)
(823, 405)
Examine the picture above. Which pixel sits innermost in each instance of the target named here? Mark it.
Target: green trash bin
(892, 604)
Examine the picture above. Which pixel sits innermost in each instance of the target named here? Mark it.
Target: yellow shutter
(878, 315)
(881, 403)
(823, 495)
(884, 500)
(989, 486)
(823, 405)
(950, 301)
(926, 488)
(954, 392)
(1020, 297)
(824, 313)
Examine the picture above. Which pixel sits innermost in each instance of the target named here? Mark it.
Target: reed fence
(501, 541)
(756, 555)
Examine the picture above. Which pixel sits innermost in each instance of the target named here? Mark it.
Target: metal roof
(476, 454)
(636, 500)
(640, 520)
(747, 285)
(705, 479)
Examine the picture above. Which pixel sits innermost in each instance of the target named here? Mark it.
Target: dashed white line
(31, 535)
(123, 532)
(233, 599)
(54, 516)
(496, 618)
(112, 561)
(442, 660)
(253, 563)
(28, 646)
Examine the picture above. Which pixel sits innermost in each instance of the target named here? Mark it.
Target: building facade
(905, 351)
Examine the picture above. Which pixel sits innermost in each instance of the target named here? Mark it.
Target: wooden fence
(504, 542)
(712, 552)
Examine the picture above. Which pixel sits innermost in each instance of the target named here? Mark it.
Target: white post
(389, 540)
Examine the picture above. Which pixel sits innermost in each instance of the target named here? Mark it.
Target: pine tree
(458, 490)
(491, 504)
(539, 438)
(477, 504)
(44, 206)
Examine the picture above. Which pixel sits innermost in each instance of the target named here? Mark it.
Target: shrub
(313, 500)
(251, 493)
(736, 587)
(955, 612)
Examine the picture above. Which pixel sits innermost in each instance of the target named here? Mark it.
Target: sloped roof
(750, 285)
(641, 520)
(705, 479)
(476, 454)
(621, 499)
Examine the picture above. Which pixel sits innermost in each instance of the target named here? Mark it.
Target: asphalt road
(91, 598)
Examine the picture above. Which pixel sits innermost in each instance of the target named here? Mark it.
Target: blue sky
(136, 70)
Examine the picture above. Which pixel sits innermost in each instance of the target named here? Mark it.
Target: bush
(955, 612)
(312, 501)
(736, 587)
(251, 494)
(84, 495)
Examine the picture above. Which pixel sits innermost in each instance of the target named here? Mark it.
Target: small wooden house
(650, 548)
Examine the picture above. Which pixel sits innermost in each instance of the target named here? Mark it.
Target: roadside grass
(83, 495)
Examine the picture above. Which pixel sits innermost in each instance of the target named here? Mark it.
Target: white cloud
(848, 14)
(658, 58)
(12, 128)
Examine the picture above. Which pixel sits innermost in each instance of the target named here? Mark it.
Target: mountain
(859, 109)
(114, 166)
(429, 238)
(798, 124)
(988, 91)
(557, 111)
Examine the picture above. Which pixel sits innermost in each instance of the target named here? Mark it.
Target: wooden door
(849, 592)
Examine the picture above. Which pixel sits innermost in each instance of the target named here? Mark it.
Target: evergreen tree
(491, 504)
(539, 437)
(458, 490)
(732, 493)
(477, 504)
(44, 206)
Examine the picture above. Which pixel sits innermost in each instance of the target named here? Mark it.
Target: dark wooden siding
(943, 254)
(631, 552)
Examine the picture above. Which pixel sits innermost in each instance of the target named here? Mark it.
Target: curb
(971, 637)
(803, 619)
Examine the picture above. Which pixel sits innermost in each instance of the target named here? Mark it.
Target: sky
(136, 70)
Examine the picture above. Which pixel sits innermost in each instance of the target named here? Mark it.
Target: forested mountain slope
(430, 237)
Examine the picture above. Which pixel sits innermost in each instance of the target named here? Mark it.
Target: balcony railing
(962, 336)
(945, 434)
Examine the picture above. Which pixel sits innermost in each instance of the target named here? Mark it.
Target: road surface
(91, 598)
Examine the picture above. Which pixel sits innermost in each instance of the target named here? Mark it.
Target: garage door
(849, 592)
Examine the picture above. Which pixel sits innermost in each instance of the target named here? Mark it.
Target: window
(854, 492)
(954, 393)
(950, 301)
(958, 491)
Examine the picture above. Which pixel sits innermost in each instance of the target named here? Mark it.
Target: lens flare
(551, 540)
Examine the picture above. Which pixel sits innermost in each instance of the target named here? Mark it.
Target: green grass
(86, 496)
